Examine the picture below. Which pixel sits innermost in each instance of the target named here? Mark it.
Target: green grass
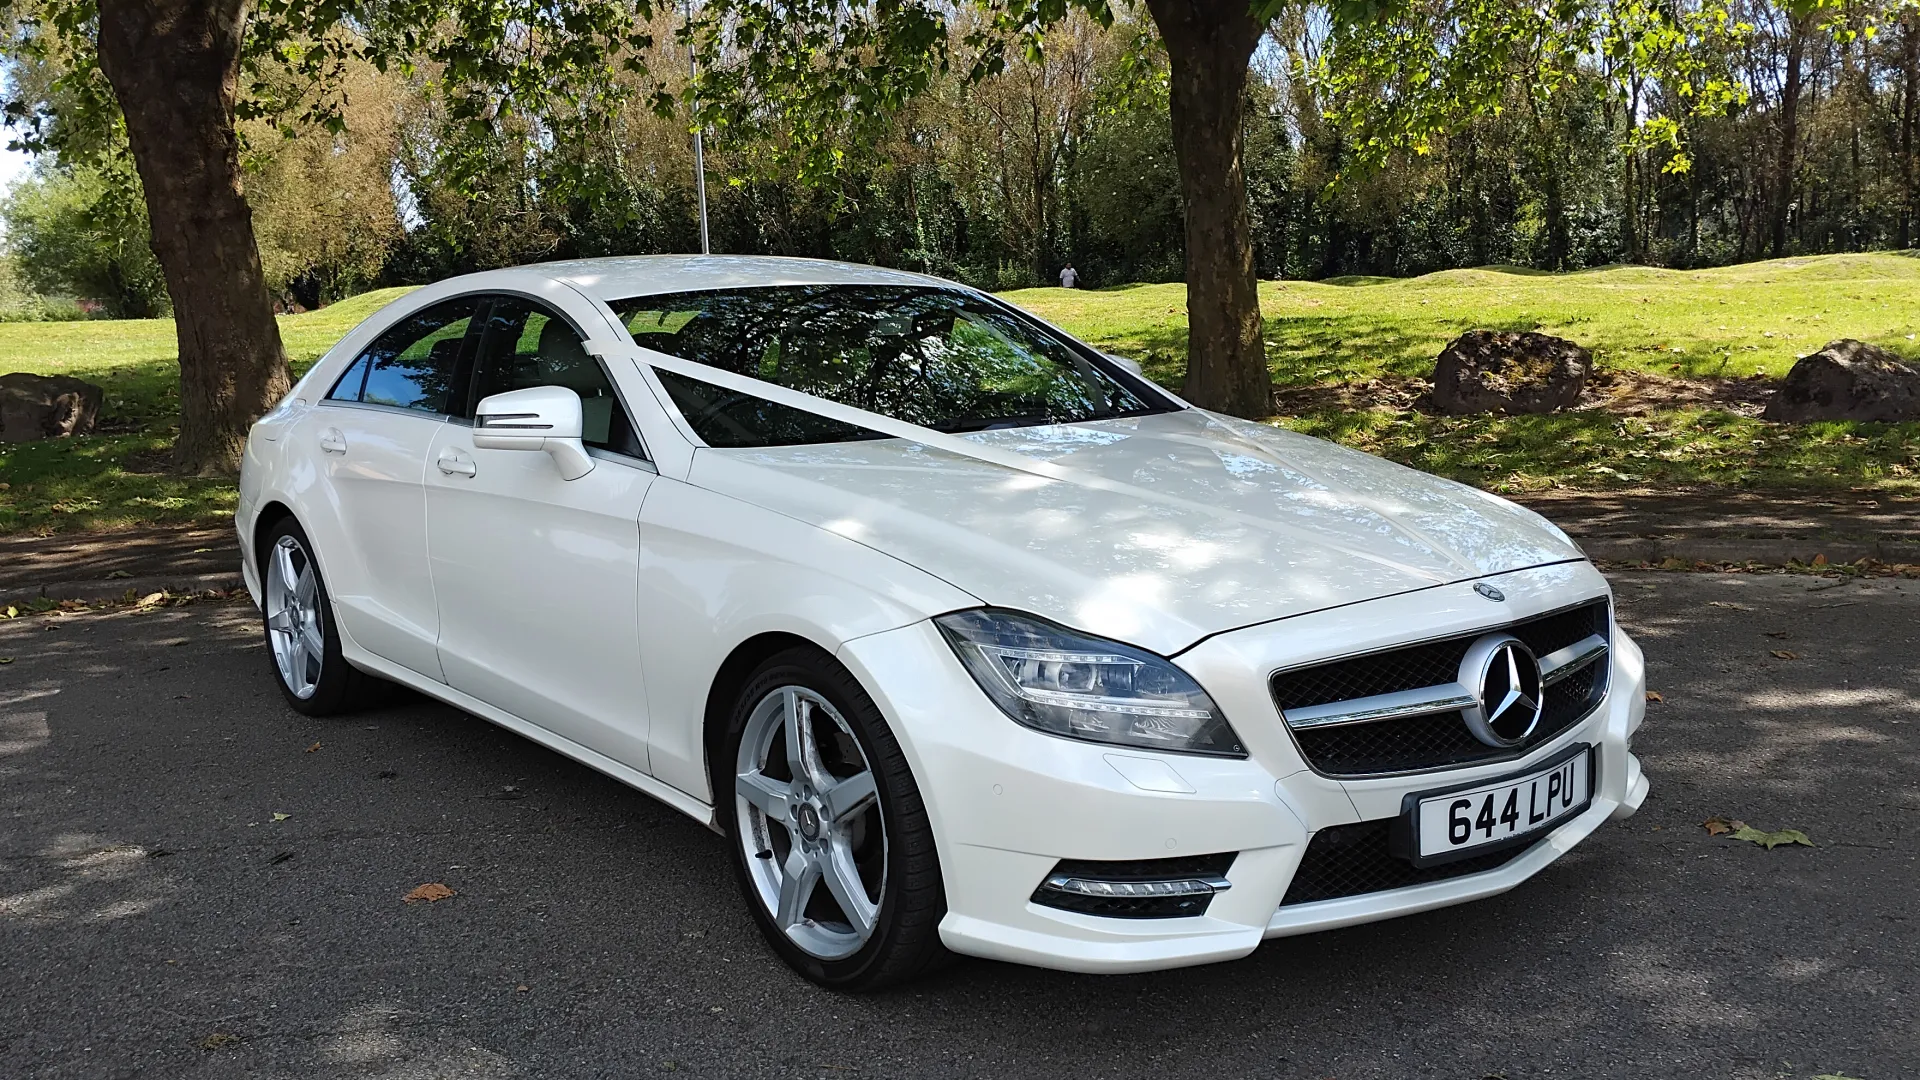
(120, 477)
(1731, 322)
(1670, 448)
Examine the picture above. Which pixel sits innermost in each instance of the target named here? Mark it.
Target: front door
(536, 576)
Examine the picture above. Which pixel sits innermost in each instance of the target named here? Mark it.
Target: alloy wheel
(294, 627)
(810, 823)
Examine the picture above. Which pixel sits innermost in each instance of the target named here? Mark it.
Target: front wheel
(830, 837)
(302, 638)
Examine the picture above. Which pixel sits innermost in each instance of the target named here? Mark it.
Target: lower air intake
(1353, 860)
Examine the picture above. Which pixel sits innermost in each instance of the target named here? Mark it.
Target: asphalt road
(158, 918)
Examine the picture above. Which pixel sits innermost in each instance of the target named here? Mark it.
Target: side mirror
(1130, 365)
(537, 418)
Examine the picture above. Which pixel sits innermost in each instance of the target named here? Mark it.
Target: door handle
(454, 463)
(332, 441)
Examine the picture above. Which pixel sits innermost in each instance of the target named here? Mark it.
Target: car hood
(1161, 529)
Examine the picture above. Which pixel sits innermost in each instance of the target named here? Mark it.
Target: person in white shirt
(1069, 279)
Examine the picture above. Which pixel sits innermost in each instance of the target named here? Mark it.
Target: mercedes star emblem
(1504, 678)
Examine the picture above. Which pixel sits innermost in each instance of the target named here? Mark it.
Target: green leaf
(1771, 840)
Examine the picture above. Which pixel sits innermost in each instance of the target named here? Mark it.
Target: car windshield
(939, 358)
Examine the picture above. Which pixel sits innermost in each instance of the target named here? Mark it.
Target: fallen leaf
(1655, 695)
(429, 892)
(1818, 560)
(1718, 826)
(522, 988)
(218, 1040)
(1771, 840)
(150, 599)
(278, 816)
(6, 659)
(1775, 633)
(1785, 654)
(313, 748)
(118, 574)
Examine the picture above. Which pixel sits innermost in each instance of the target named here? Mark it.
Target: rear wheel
(830, 837)
(302, 638)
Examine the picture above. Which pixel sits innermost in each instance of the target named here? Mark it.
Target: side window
(729, 420)
(523, 344)
(415, 364)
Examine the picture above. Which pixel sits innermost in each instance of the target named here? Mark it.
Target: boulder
(1847, 380)
(1502, 371)
(46, 406)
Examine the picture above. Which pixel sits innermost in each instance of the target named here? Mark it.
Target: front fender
(716, 572)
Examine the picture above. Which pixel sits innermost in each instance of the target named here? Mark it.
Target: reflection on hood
(1167, 528)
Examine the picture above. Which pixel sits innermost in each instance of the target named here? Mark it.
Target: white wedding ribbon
(1008, 459)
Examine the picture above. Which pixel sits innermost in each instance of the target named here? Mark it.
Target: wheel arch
(730, 678)
(271, 513)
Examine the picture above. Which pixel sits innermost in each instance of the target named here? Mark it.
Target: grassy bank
(1711, 324)
(1726, 323)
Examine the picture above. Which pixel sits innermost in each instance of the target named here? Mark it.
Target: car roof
(642, 275)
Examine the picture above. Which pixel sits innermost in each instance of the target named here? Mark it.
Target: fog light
(1143, 889)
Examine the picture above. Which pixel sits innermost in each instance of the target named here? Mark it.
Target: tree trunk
(1789, 136)
(1209, 44)
(174, 66)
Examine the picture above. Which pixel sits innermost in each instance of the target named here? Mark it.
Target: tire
(858, 823)
(292, 613)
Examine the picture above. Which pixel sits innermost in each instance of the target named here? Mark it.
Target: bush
(83, 233)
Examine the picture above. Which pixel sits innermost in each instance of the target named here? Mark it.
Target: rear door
(374, 429)
(536, 576)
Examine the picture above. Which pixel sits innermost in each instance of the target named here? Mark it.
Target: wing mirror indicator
(537, 418)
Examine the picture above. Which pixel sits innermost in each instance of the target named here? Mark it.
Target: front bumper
(1006, 803)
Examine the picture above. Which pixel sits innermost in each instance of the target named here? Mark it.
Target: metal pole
(699, 148)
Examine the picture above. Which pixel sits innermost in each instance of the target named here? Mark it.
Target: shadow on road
(195, 879)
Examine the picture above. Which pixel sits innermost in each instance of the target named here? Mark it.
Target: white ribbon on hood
(993, 455)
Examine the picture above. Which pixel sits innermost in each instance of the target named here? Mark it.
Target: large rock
(1847, 380)
(46, 406)
(1501, 371)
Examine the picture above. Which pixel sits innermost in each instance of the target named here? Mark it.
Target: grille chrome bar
(1561, 663)
(1446, 697)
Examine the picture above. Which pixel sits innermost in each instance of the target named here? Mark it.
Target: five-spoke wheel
(833, 845)
(302, 637)
(813, 826)
(291, 602)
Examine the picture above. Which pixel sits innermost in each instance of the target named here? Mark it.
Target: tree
(179, 73)
(1209, 43)
(175, 69)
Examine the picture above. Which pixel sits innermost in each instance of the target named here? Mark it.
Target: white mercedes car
(966, 636)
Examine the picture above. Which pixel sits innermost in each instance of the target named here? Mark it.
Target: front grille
(1435, 740)
(1353, 860)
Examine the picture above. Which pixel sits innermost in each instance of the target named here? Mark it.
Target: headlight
(1054, 680)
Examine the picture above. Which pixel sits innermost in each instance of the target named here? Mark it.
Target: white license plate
(1486, 815)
